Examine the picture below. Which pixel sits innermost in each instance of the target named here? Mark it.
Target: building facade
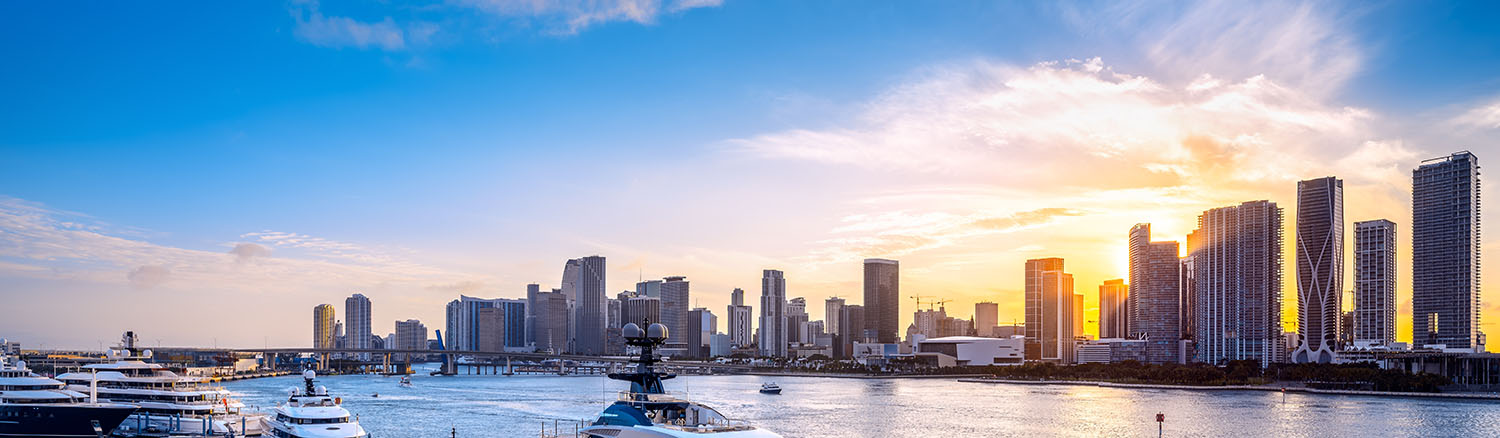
(986, 318)
(741, 333)
(773, 322)
(551, 323)
(1237, 278)
(1320, 268)
(1113, 319)
(1049, 311)
(832, 308)
(1445, 251)
(357, 330)
(410, 335)
(323, 326)
(674, 308)
(1375, 282)
(883, 299)
(583, 279)
(1155, 297)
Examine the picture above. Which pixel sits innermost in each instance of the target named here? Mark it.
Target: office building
(796, 316)
(832, 307)
(740, 320)
(852, 315)
(883, 299)
(701, 325)
(490, 327)
(464, 324)
(1237, 278)
(531, 291)
(323, 326)
(1049, 311)
(357, 330)
(1320, 268)
(649, 288)
(773, 323)
(1113, 320)
(1155, 296)
(410, 335)
(640, 310)
(551, 322)
(674, 309)
(1445, 251)
(1375, 282)
(584, 281)
(986, 318)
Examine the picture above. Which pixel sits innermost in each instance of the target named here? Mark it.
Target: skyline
(311, 151)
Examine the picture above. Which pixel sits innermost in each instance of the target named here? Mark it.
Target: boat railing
(670, 396)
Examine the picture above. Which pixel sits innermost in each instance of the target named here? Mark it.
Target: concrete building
(1113, 318)
(490, 329)
(883, 299)
(639, 309)
(986, 317)
(1155, 297)
(1375, 282)
(531, 291)
(357, 330)
(832, 307)
(976, 351)
(810, 331)
(740, 317)
(1049, 311)
(584, 281)
(674, 308)
(796, 316)
(850, 317)
(1111, 350)
(1320, 268)
(773, 321)
(551, 323)
(649, 288)
(323, 326)
(719, 345)
(1238, 279)
(1445, 251)
(701, 325)
(410, 335)
(464, 323)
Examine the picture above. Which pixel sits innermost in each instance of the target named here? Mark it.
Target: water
(517, 406)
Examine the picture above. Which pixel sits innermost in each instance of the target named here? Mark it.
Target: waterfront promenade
(1289, 387)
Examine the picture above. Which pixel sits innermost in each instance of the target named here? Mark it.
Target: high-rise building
(583, 279)
(1049, 311)
(852, 315)
(1320, 268)
(740, 317)
(531, 291)
(1112, 316)
(773, 323)
(701, 325)
(613, 316)
(832, 307)
(1078, 317)
(490, 326)
(465, 325)
(986, 318)
(796, 316)
(1375, 282)
(410, 335)
(551, 322)
(641, 309)
(674, 308)
(649, 288)
(1445, 251)
(1155, 297)
(883, 299)
(1237, 278)
(323, 325)
(339, 340)
(357, 325)
(451, 315)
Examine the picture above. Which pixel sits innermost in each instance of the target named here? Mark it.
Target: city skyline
(169, 171)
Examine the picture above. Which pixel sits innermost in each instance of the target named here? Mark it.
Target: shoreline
(1263, 388)
(867, 376)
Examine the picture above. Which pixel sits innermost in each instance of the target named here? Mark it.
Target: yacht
(36, 406)
(770, 388)
(312, 413)
(648, 411)
(167, 403)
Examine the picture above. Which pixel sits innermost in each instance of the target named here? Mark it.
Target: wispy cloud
(1485, 115)
(338, 32)
(572, 16)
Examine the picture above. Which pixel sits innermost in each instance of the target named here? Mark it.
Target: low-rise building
(976, 351)
(1111, 350)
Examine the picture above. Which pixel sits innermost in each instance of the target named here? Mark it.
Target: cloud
(572, 16)
(338, 32)
(244, 252)
(146, 277)
(1483, 116)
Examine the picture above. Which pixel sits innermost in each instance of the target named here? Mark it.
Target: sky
(206, 173)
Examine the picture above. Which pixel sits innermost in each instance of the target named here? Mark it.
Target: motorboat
(167, 403)
(405, 382)
(36, 406)
(311, 413)
(770, 388)
(648, 411)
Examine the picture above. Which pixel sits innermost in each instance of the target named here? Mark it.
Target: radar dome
(147, 353)
(309, 374)
(631, 331)
(656, 332)
(322, 390)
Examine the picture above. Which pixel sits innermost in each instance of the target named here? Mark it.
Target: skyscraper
(323, 326)
(740, 317)
(773, 324)
(649, 288)
(465, 325)
(1155, 296)
(1049, 311)
(883, 299)
(531, 291)
(701, 325)
(584, 278)
(986, 318)
(357, 322)
(410, 335)
(639, 309)
(674, 308)
(1320, 268)
(853, 315)
(1375, 281)
(1237, 277)
(1445, 251)
(1112, 316)
(796, 316)
(490, 326)
(832, 307)
(551, 322)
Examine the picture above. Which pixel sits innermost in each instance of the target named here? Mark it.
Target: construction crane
(930, 303)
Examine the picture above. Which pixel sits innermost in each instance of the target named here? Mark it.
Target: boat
(312, 413)
(770, 388)
(405, 382)
(36, 406)
(648, 411)
(167, 403)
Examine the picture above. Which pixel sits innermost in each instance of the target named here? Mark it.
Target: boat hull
(60, 421)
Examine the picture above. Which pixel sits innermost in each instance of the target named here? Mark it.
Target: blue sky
(420, 150)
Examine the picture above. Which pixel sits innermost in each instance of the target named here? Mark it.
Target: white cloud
(572, 16)
(1486, 115)
(337, 32)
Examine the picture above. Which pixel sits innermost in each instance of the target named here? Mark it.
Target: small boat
(405, 382)
(770, 388)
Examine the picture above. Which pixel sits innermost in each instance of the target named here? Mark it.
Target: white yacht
(167, 403)
(648, 411)
(312, 413)
(36, 406)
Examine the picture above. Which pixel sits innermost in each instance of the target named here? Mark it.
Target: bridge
(398, 361)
